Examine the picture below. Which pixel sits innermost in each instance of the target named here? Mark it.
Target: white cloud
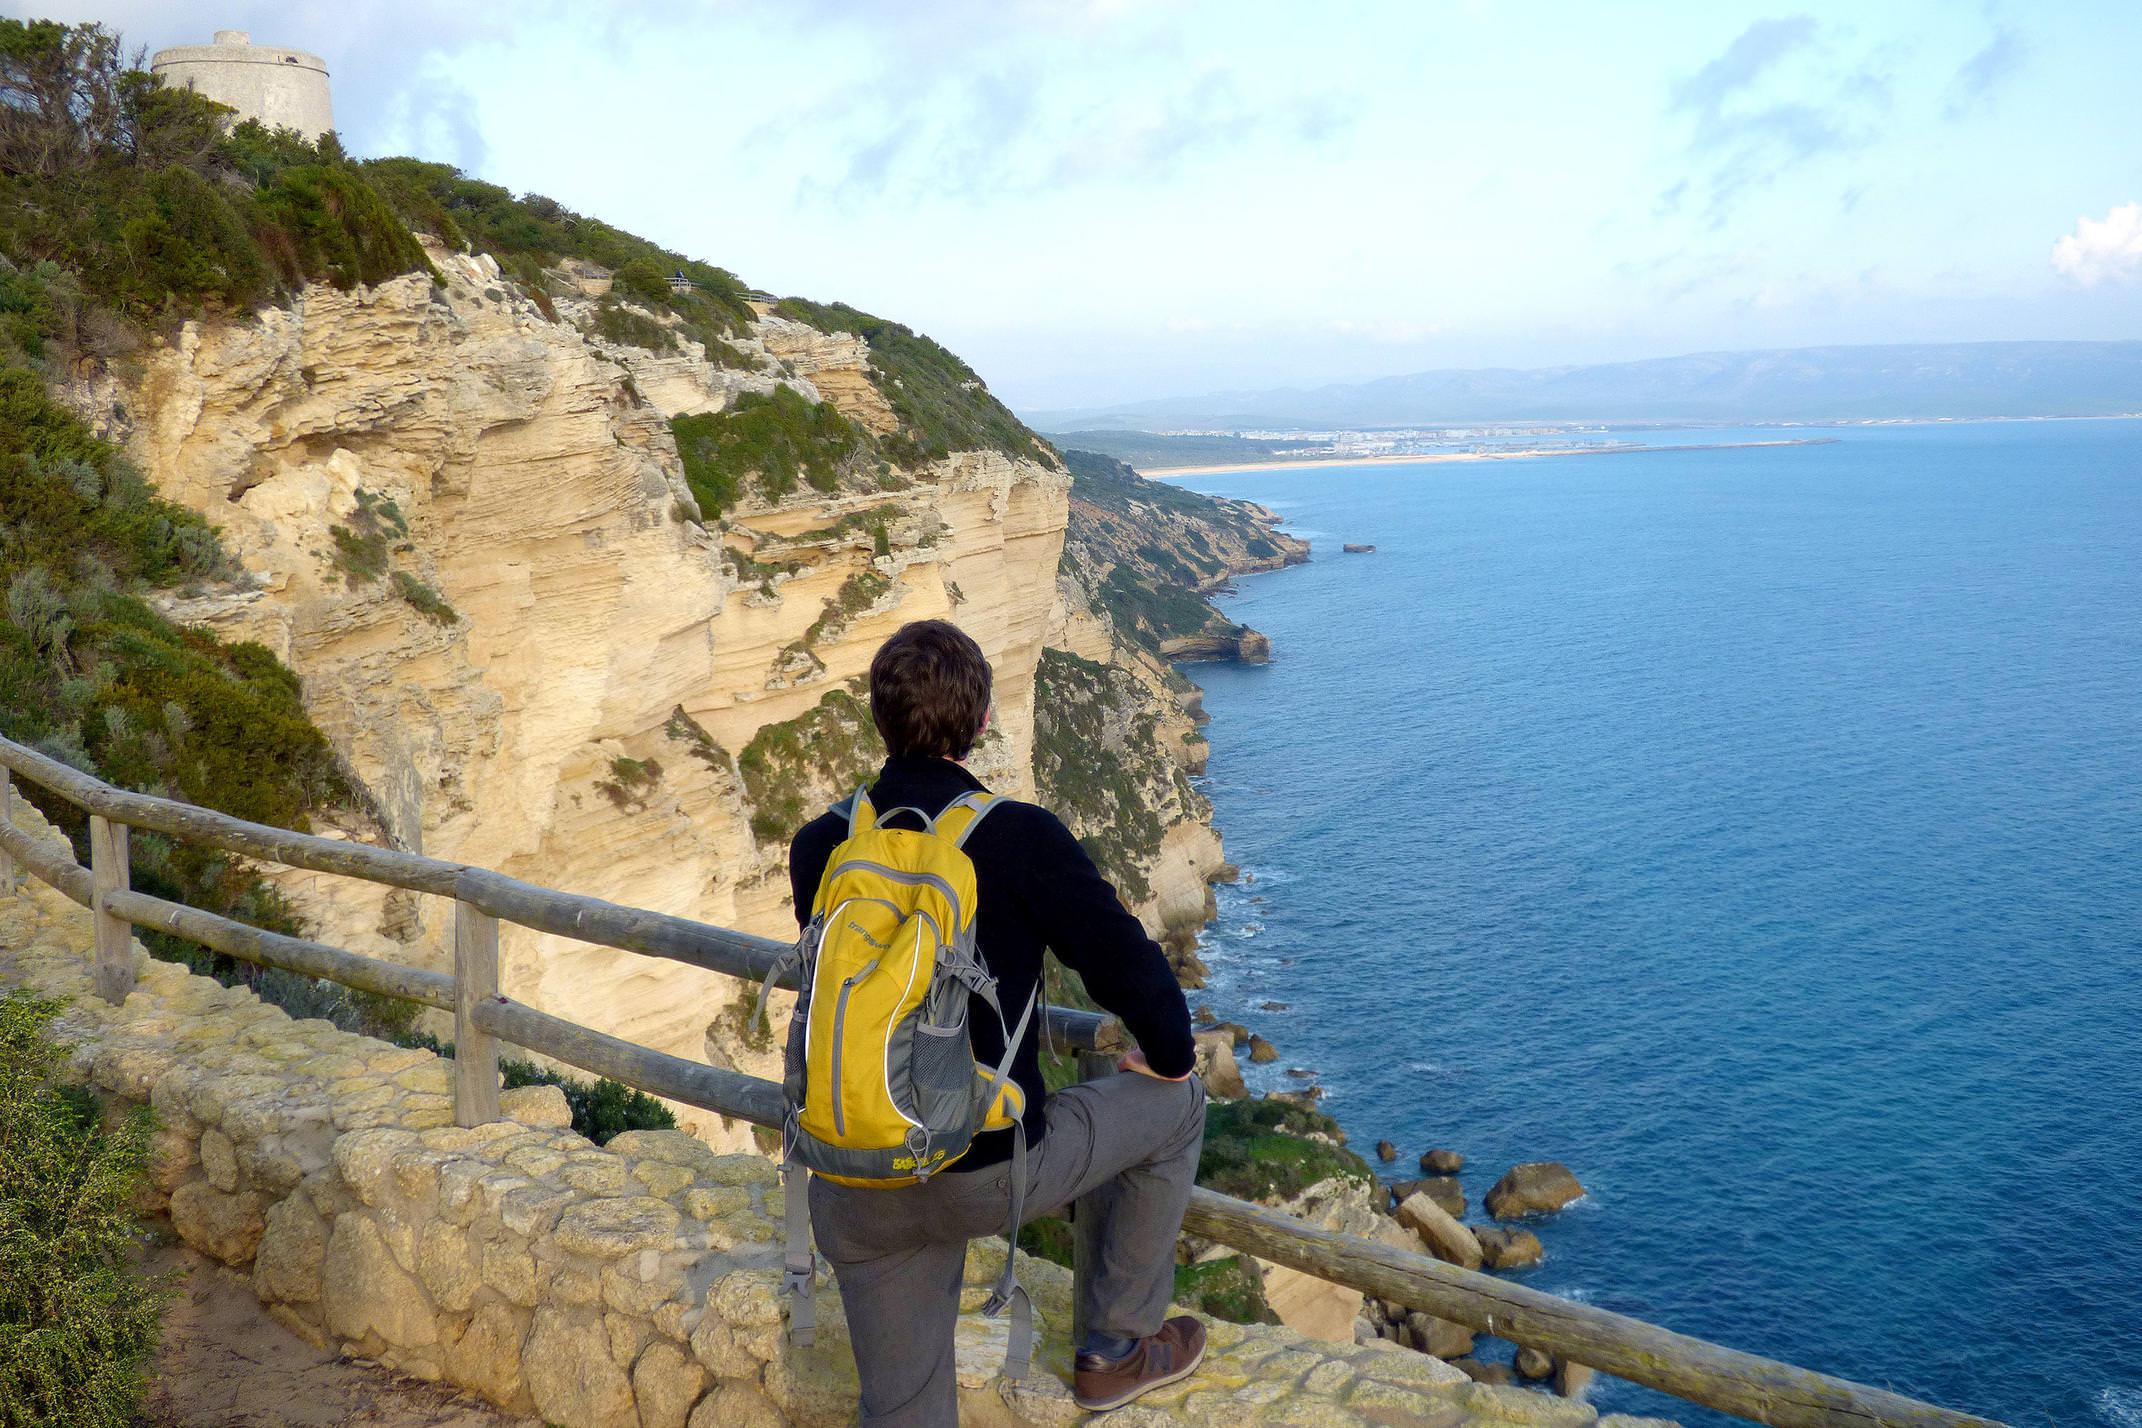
(2102, 249)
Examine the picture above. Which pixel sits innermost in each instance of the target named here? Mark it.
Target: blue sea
(1758, 832)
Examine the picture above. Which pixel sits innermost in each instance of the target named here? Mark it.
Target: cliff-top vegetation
(778, 436)
(942, 404)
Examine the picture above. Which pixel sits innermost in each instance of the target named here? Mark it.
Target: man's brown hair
(929, 690)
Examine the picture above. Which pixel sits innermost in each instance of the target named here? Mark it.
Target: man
(1124, 1149)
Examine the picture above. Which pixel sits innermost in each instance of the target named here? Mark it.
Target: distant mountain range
(1957, 379)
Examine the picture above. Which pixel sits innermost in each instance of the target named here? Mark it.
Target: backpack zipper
(901, 876)
(840, 1017)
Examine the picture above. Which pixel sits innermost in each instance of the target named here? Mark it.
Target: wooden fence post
(115, 935)
(10, 875)
(1092, 1066)
(475, 1050)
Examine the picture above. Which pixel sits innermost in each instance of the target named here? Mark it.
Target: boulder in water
(1572, 1379)
(1446, 1239)
(1538, 1187)
(1386, 1152)
(1358, 548)
(1508, 1249)
(1439, 1188)
(1534, 1363)
(1262, 1051)
(1442, 1162)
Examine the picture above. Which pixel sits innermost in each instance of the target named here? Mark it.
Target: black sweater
(1037, 890)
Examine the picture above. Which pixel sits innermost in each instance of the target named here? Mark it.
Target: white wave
(2120, 1405)
(1248, 930)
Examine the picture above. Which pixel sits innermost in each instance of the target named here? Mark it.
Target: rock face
(549, 665)
(1216, 1066)
(1538, 1187)
(1446, 1239)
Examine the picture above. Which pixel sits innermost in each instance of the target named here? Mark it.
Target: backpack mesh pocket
(944, 1076)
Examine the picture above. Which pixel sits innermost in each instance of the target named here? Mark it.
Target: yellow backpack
(881, 1084)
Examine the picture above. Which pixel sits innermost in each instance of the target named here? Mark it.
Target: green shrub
(423, 599)
(834, 745)
(76, 1328)
(942, 405)
(630, 781)
(528, 233)
(93, 675)
(322, 222)
(361, 556)
(1097, 765)
(781, 437)
(1262, 1150)
(628, 328)
(856, 594)
(601, 1108)
(1229, 1289)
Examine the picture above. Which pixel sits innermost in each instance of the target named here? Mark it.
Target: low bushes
(76, 1328)
(780, 438)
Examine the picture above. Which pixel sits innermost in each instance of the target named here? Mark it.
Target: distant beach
(1521, 454)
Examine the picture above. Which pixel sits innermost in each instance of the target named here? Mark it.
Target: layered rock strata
(466, 529)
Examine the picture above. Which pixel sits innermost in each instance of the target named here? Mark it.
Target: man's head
(929, 690)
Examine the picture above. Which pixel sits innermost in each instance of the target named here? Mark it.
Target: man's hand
(1134, 1062)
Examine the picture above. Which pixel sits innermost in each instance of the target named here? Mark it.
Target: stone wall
(633, 1285)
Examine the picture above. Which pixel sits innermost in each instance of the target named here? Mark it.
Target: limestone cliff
(467, 528)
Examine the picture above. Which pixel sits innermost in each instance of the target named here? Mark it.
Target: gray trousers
(1124, 1147)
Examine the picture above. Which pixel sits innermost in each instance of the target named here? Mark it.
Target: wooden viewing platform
(1699, 1372)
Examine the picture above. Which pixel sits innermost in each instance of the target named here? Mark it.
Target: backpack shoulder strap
(961, 815)
(861, 816)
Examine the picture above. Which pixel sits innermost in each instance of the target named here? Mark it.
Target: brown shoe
(1099, 1384)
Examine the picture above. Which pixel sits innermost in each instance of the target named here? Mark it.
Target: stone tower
(283, 89)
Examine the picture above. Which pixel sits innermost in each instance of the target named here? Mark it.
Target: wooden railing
(1699, 1372)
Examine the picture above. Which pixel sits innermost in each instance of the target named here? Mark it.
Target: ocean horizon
(1755, 831)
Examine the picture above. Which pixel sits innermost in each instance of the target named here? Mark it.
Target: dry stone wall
(633, 1285)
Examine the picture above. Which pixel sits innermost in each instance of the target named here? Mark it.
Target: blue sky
(1097, 200)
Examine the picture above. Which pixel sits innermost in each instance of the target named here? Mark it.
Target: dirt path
(225, 1364)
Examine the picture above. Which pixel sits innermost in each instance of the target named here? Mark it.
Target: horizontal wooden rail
(276, 949)
(52, 864)
(1692, 1369)
(234, 835)
(695, 1083)
(1701, 1372)
(587, 919)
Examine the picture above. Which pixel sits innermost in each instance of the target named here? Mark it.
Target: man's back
(1036, 889)
(1124, 1148)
